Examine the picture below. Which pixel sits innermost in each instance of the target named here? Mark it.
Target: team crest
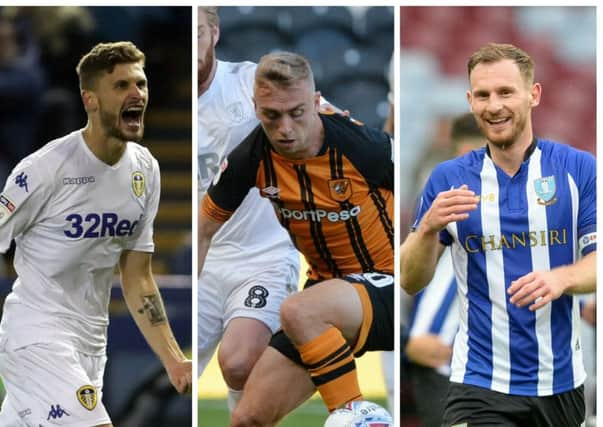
(138, 183)
(545, 190)
(87, 397)
(236, 112)
(340, 189)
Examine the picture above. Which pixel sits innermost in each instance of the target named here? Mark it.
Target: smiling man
(76, 208)
(520, 217)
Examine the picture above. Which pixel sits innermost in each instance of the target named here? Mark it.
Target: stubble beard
(108, 123)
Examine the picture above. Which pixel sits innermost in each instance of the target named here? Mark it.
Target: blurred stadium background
(39, 101)
(349, 49)
(436, 43)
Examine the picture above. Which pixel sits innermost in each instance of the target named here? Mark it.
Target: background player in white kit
(251, 265)
(75, 208)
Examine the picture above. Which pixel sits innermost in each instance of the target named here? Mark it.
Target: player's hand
(428, 350)
(181, 375)
(537, 288)
(449, 206)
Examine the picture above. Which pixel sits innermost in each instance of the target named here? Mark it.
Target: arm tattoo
(151, 304)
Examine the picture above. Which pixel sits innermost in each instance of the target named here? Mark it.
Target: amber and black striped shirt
(336, 206)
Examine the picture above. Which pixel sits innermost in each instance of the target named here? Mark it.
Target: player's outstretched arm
(421, 250)
(207, 229)
(146, 307)
(541, 287)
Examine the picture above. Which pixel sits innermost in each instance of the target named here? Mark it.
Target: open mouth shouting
(132, 117)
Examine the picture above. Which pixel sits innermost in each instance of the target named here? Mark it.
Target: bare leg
(243, 343)
(275, 387)
(307, 314)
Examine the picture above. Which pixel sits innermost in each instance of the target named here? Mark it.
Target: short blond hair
(284, 69)
(494, 52)
(103, 58)
(212, 15)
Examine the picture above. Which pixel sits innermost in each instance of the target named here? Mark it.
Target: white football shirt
(71, 216)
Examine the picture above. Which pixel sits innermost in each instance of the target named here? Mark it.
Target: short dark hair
(103, 58)
(494, 52)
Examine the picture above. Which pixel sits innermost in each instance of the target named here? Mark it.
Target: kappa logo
(87, 397)
(56, 412)
(138, 183)
(340, 189)
(21, 181)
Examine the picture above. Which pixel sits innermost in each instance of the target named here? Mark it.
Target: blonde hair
(103, 58)
(284, 69)
(212, 15)
(494, 52)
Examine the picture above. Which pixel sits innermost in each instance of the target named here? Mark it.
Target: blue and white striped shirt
(435, 309)
(539, 219)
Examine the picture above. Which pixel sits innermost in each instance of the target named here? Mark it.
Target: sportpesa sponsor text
(317, 215)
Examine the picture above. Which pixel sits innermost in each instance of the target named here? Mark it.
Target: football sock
(331, 365)
(233, 398)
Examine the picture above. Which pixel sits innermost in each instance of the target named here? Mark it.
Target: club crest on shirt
(340, 189)
(236, 112)
(87, 397)
(138, 183)
(545, 190)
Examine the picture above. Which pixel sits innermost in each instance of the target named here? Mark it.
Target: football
(360, 413)
(340, 418)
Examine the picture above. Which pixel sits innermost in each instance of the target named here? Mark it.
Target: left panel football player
(69, 238)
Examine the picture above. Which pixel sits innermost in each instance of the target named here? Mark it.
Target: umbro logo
(271, 192)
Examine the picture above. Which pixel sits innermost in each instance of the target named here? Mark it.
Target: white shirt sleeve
(25, 193)
(143, 238)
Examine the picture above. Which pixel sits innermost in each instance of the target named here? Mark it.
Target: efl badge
(6, 208)
(340, 189)
(138, 183)
(87, 397)
(545, 190)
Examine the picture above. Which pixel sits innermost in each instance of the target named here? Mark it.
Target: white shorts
(226, 292)
(50, 384)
